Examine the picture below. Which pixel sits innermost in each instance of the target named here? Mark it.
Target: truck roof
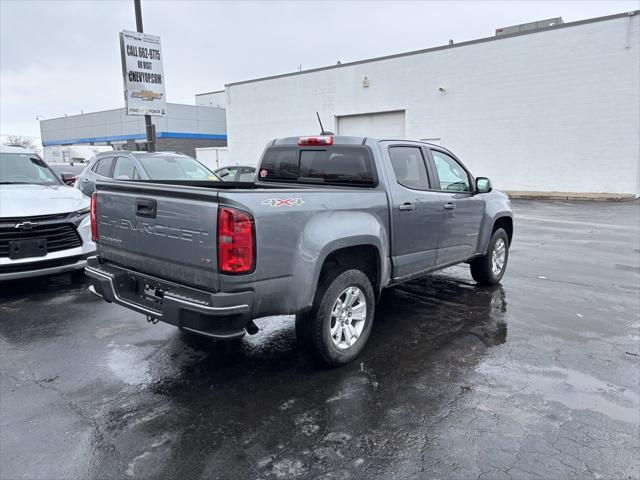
(350, 140)
(337, 140)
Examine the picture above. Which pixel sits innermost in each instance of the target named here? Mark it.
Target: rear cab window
(334, 165)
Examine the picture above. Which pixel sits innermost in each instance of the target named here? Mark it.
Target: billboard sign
(142, 73)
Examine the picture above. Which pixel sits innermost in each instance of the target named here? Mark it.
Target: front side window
(453, 178)
(409, 167)
(175, 167)
(16, 168)
(104, 167)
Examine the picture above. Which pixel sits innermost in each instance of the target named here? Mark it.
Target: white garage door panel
(387, 124)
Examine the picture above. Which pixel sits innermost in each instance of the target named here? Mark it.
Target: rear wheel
(337, 328)
(489, 268)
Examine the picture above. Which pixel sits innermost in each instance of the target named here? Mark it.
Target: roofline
(209, 93)
(135, 152)
(124, 108)
(442, 47)
(359, 140)
(133, 136)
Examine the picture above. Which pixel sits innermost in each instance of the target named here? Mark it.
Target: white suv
(44, 224)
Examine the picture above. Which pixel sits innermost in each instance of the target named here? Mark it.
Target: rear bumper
(215, 315)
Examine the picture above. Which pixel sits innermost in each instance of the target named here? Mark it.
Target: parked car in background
(236, 173)
(44, 224)
(329, 222)
(68, 172)
(125, 165)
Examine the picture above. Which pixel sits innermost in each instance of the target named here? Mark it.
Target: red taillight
(235, 241)
(93, 218)
(323, 140)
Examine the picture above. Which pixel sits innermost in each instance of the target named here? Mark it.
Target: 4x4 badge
(282, 202)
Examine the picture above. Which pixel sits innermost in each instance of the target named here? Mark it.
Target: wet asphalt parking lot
(538, 378)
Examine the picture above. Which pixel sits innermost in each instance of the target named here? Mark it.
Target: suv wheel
(489, 268)
(338, 327)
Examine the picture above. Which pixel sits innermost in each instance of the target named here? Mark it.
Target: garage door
(386, 124)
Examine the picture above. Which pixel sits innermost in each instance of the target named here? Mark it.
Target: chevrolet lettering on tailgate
(146, 228)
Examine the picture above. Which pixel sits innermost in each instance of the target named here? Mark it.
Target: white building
(183, 129)
(551, 110)
(217, 99)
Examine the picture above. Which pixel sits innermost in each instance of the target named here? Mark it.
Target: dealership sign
(143, 76)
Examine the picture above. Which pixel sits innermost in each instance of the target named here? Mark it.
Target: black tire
(313, 329)
(482, 267)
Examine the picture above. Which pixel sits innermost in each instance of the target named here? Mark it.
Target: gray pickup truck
(327, 224)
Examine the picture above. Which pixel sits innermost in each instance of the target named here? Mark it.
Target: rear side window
(409, 167)
(333, 165)
(104, 166)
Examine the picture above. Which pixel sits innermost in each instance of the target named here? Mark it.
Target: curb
(578, 196)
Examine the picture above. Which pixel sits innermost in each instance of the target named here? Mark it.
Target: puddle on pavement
(128, 365)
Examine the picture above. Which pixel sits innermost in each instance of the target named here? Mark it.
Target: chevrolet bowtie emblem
(147, 95)
(26, 225)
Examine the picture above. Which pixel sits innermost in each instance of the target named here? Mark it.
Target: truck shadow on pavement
(261, 408)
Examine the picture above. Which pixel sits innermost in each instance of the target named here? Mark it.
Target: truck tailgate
(158, 231)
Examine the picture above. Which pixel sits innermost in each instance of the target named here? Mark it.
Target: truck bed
(178, 243)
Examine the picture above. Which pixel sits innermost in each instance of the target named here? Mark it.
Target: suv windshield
(17, 168)
(175, 167)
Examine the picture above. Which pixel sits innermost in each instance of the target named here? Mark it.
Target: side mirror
(122, 177)
(483, 185)
(68, 178)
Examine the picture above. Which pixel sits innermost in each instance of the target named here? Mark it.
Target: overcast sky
(61, 57)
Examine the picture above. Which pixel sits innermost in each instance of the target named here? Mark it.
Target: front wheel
(489, 268)
(338, 326)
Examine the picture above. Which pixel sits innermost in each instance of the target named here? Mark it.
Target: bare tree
(26, 142)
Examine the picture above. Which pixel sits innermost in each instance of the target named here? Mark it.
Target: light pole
(150, 128)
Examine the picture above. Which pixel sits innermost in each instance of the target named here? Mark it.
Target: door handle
(449, 206)
(407, 206)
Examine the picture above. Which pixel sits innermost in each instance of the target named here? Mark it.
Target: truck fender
(328, 232)
(486, 228)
